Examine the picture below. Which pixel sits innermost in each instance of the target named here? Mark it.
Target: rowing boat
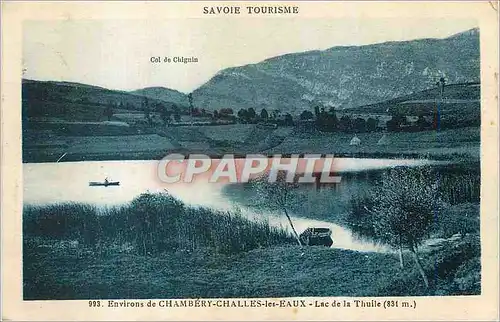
(104, 184)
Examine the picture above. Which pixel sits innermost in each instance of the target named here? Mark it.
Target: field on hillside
(240, 139)
(439, 145)
(50, 148)
(454, 97)
(228, 133)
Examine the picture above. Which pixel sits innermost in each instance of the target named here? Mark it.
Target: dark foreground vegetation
(63, 271)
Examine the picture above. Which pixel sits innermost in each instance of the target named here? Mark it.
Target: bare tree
(278, 195)
(147, 111)
(108, 111)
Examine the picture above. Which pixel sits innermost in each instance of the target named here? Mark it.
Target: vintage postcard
(249, 160)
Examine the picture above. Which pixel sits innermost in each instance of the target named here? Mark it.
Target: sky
(116, 54)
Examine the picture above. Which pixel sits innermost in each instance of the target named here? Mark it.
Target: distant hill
(164, 94)
(425, 102)
(460, 105)
(75, 101)
(344, 77)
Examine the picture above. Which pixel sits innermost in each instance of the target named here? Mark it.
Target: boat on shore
(313, 236)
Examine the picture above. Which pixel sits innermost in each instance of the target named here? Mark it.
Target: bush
(449, 260)
(458, 219)
(468, 277)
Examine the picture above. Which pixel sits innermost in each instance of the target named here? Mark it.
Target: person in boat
(106, 181)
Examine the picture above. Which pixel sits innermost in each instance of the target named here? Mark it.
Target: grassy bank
(65, 271)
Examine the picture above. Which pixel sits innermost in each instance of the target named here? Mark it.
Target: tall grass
(461, 188)
(152, 223)
(63, 221)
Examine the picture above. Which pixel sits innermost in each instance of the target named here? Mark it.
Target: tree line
(328, 121)
(324, 120)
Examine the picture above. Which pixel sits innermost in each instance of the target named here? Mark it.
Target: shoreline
(45, 157)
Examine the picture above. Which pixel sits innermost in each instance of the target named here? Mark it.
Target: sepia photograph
(206, 161)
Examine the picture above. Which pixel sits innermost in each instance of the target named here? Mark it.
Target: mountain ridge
(295, 81)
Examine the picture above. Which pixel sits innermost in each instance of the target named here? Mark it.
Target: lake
(46, 183)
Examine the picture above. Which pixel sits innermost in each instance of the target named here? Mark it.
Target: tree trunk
(419, 266)
(401, 262)
(293, 228)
